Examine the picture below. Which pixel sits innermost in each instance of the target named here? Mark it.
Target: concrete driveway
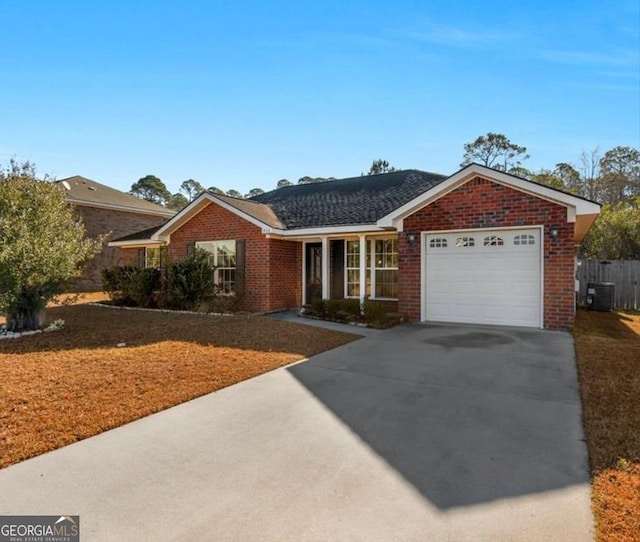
(426, 433)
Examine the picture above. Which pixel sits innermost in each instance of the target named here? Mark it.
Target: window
(381, 263)
(493, 241)
(524, 239)
(223, 259)
(152, 257)
(385, 268)
(353, 268)
(465, 242)
(438, 242)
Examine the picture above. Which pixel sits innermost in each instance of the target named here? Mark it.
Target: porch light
(411, 240)
(553, 233)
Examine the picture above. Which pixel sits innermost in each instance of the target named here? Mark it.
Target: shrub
(377, 314)
(142, 286)
(191, 281)
(115, 282)
(129, 285)
(318, 307)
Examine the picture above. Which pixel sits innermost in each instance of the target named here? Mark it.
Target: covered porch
(363, 266)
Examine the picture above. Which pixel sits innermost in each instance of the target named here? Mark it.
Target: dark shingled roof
(143, 235)
(347, 202)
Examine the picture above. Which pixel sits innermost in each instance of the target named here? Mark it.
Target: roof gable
(83, 191)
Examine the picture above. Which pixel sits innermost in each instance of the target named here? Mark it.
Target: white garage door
(484, 277)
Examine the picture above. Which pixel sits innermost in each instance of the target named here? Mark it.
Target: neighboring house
(106, 211)
(480, 246)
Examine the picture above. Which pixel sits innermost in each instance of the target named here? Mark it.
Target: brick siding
(114, 224)
(481, 204)
(272, 266)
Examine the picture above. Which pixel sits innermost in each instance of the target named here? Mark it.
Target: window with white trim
(152, 257)
(222, 257)
(381, 264)
(385, 268)
(493, 241)
(352, 266)
(524, 239)
(438, 242)
(462, 242)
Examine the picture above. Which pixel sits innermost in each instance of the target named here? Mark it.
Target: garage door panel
(484, 283)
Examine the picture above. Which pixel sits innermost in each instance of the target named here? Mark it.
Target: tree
(42, 244)
(589, 185)
(380, 166)
(283, 182)
(234, 194)
(254, 192)
(191, 189)
(215, 190)
(616, 233)
(152, 189)
(548, 178)
(494, 150)
(177, 201)
(620, 172)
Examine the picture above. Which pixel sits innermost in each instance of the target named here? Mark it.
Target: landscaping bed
(608, 361)
(108, 367)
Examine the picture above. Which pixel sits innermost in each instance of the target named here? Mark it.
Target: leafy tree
(234, 194)
(254, 192)
(42, 244)
(616, 233)
(620, 172)
(177, 201)
(191, 189)
(152, 189)
(494, 150)
(569, 176)
(548, 178)
(380, 166)
(215, 190)
(283, 182)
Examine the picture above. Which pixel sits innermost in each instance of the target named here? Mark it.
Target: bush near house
(374, 313)
(185, 285)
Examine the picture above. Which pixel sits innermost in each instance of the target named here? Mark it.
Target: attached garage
(483, 277)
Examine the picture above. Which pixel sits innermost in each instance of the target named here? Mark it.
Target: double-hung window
(222, 257)
(381, 268)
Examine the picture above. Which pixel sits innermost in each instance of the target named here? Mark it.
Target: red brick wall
(480, 203)
(285, 273)
(272, 267)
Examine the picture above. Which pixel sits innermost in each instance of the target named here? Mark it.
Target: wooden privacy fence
(625, 274)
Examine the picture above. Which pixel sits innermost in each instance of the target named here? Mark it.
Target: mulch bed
(608, 359)
(61, 387)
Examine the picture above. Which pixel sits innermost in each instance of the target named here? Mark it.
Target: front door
(313, 272)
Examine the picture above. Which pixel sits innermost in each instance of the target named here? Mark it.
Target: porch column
(325, 268)
(363, 268)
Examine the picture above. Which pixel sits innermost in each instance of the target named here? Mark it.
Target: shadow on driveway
(466, 414)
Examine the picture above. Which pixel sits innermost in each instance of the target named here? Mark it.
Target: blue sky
(241, 94)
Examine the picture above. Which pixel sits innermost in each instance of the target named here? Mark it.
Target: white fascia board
(113, 207)
(135, 243)
(581, 206)
(333, 231)
(198, 205)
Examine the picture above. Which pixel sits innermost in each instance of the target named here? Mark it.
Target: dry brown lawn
(608, 356)
(61, 387)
